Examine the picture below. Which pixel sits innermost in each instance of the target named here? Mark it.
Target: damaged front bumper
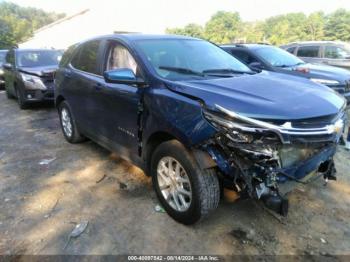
(266, 160)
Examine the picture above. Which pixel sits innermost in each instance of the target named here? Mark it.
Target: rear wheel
(68, 125)
(186, 192)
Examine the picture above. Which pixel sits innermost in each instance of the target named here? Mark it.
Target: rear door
(310, 53)
(84, 77)
(120, 103)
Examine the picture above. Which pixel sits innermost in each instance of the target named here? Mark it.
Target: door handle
(98, 86)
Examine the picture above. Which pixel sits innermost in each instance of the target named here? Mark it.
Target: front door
(120, 102)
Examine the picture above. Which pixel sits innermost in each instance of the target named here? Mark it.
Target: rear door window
(86, 59)
(308, 51)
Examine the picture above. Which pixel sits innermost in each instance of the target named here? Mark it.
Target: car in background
(196, 119)
(266, 57)
(2, 61)
(331, 53)
(29, 74)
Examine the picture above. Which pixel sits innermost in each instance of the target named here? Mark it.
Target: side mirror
(7, 66)
(256, 66)
(122, 76)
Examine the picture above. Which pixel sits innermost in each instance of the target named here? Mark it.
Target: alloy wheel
(66, 122)
(174, 184)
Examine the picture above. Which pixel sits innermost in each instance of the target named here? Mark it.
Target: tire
(202, 184)
(8, 95)
(68, 124)
(20, 100)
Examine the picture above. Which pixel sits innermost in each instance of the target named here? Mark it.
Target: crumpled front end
(264, 159)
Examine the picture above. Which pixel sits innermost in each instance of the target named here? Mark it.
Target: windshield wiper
(227, 71)
(182, 70)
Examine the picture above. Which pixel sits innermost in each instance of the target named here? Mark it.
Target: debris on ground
(7, 199)
(46, 161)
(323, 240)
(159, 209)
(52, 209)
(122, 185)
(101, 179)
(77, 231)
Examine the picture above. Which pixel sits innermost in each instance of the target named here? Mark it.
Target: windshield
(278, 57)
(38, 58)
(2, 57)
(178, 59)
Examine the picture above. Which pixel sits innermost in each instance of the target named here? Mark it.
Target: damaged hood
(39, 71)
(265, 96)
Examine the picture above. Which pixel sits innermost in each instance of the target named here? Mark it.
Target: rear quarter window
(308, 51)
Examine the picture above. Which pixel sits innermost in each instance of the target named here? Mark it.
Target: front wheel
(20, 100)
(186, 192)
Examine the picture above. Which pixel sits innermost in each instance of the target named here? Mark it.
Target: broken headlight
(33, 82)
(233, 129)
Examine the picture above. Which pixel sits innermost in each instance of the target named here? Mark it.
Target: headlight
(324, 81)
(33, 82)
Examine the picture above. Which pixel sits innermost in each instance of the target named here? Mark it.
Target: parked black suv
(271, 58)
(29, 74)
(194, 117)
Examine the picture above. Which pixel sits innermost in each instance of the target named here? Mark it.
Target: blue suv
(197, 120)
(265, 57)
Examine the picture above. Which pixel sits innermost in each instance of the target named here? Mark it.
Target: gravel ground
(47, 186)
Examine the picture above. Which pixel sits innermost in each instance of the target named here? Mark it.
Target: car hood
(265, 96)
(323, 72)
(39, 71)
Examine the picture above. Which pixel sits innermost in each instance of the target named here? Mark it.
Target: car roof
(139, 36)
(34, 49)
(316, 43)
(249, 46)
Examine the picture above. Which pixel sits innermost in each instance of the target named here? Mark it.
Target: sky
(180, 12)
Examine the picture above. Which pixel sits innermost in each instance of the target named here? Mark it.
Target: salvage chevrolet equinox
(197, 120)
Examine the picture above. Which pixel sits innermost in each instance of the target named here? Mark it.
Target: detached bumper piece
(265, 161)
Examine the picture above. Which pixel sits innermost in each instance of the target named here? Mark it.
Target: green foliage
(193, 30)
(226, 27)
(18, 23)
(338, 25)
(223, 27)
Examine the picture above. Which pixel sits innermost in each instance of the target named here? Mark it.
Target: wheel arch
(59, 99)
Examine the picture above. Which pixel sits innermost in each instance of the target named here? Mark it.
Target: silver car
(332, 53)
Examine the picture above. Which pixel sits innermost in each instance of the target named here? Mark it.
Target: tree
(18, 23)
(285, 28)
(315, 26)
(338, 25)
(193, 30)
(223, 27)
